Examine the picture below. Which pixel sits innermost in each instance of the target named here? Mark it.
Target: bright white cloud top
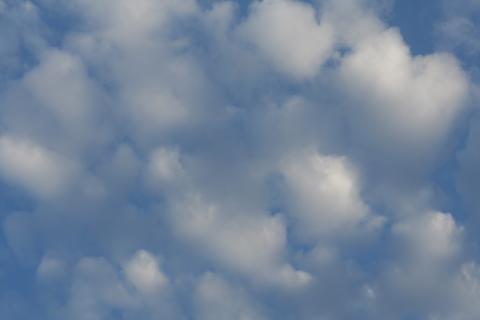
(204, 159)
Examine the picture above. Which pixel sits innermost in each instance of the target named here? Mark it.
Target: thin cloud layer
(277, 159)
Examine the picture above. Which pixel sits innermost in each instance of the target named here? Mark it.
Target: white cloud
(165, 169)
(421, 271)
(37, 169)
(466, 291)
(61, 86)
(143, 271)
(240, 143)
(58, 105)
(224, 232)
(431, 236)
(128, 23)
(289, 36)
(401, 102)
(325, 197)
(160, 86)
(250, 244)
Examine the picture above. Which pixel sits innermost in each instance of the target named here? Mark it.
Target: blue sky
(250, 160)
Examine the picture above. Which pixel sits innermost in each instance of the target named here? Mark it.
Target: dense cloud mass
(250, 160)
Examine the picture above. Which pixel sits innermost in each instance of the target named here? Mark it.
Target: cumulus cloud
(221, 229)
(37, 169)
(289, 34)
(253, 245)
(197, 159)
(127, 23)
(466, 291)
(408, 100)
(326, 197)
(433, 235)
(143, 271)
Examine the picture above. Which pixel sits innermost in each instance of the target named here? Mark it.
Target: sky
(244, 160)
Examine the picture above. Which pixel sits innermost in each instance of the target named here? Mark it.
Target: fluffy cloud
(230, 238)
(39, 170)
(467, 291)
(221, 229)
(143, 272)
(433, 235)
(290, 36)
(326, 197)
(402, 102)
(277, 159)
(127, 23)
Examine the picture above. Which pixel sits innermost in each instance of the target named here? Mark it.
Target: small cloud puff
(143, 271)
